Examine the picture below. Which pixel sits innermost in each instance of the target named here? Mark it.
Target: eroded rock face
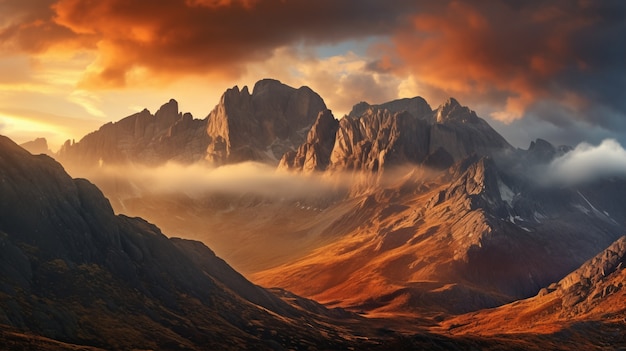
(143, 138)
(460, 132)
(594, 279)
(314, 154)
(417, 106)
(375, 137)
(261, 126)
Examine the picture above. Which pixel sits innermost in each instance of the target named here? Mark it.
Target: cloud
(89, 101)
(199, 180)
(341, 80)
(587, 163)
(519, 55)
(169, 37)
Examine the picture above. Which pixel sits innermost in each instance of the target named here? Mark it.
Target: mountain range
(243, 127)
(424, 219)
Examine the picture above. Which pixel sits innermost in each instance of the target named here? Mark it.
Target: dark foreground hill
(73, 272)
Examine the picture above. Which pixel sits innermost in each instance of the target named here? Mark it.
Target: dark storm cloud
(561, 61)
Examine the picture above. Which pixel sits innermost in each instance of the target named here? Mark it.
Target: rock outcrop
(314, 154)
(460, 132)
(261, 126)
(405, 131)
(585, 309)
(377, 139)
(143, 138)
(417, 107)
(594, 281)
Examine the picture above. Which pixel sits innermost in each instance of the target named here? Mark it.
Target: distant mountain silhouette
(168, 135)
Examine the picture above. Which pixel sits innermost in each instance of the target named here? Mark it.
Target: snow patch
(506, 194)
(588, 203)
(538, 217)
(582, 209)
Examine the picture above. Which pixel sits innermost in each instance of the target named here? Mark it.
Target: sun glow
(23, 129)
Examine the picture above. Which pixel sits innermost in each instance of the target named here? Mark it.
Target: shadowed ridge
(73, 271)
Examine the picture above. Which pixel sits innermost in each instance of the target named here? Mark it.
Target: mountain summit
(168, 135)
(263, 125)
(260, 126)
(375, 137)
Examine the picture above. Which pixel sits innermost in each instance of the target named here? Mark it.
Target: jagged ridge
(168, 135)
(373, 137)
(261, 126)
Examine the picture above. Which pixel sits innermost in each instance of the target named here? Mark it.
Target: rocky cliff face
(377, 139)
(73, 271)
(460, 132)
(417, 107)
(314, 154)
(406, 131)
(596, 280)
(261, 126)
(143, 138)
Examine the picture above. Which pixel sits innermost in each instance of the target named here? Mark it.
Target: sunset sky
(549, 69)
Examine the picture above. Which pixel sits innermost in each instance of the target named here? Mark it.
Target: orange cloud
(514, 54)
(166, 38)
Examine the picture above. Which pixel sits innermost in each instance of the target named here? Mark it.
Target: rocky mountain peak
(234, 95)
(451, 110)
(261, 126)
(541, 151)
(141, 138)
(477, 176)
(324, 126)
(417, 107)
(314, 154)
(168, 109)
(402, 131)
(377, 139)
(269, 86)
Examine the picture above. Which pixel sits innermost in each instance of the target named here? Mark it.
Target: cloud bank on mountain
(588, 163)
